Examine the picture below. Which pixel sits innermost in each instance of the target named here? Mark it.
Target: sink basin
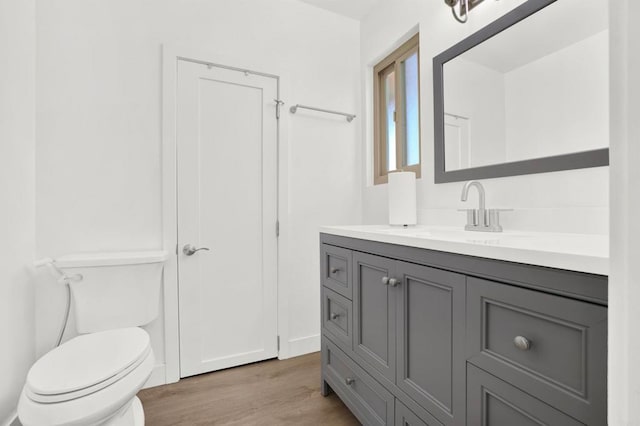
(452, 234)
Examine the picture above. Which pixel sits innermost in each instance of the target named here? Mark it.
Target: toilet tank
(116, 290)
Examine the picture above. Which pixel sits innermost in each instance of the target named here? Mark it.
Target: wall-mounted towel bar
(349, 117)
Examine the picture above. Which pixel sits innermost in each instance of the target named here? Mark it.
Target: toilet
(93, 378)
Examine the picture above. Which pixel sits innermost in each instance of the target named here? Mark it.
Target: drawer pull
(335, 270)
(349, 381)
(522, 343)
(390, 281)
(334, 316)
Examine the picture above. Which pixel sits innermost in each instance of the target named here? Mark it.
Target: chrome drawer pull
(335, 270)
(522, 343)
(390, 281)
(349, 381)
(334, 316)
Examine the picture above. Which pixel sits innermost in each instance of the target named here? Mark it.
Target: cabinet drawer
(366, 398)
(406, 417)
(337, 317)
(335, 265)
(492, 402)
(551, 347)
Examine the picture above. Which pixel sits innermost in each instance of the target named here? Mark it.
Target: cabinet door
(374, 312)
(493, 402)
(430, 335)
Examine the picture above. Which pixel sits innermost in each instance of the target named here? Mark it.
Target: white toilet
(93, 379)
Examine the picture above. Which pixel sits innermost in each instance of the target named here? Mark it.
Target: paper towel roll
(402, 198)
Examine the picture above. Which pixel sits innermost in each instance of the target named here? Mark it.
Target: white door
(227, 200)
(457, 148)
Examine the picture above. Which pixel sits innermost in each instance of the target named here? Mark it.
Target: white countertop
(574, 252)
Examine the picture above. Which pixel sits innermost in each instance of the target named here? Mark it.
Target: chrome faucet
(480, 219)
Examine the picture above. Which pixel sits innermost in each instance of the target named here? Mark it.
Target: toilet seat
(106, 399)
(86, 364)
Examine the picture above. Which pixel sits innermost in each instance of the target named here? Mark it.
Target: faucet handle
(493, 218)
(472, 216)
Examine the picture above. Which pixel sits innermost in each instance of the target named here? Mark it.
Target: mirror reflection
(537, 89)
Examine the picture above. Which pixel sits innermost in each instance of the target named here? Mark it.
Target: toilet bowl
(90, 380)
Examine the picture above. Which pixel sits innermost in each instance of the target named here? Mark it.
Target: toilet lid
(86, 364)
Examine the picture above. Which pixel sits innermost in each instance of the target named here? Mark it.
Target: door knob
(189, 250)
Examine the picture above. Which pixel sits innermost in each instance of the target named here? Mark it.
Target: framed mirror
(529, 93)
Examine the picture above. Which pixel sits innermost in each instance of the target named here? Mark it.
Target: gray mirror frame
(579, 160)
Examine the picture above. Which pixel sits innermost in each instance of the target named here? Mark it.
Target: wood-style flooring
(269, 393)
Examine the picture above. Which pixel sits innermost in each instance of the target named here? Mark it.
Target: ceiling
(356, 9)
(555, 27)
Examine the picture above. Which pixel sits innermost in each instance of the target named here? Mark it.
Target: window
(397, 112)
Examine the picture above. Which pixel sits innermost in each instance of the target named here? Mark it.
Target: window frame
(395, 60)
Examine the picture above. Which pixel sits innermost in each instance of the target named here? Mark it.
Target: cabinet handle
(335, 270)
(522, 343)
(349, 381)
(334, 316)
(390, 281)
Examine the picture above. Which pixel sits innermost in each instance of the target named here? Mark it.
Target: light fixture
(465, 7)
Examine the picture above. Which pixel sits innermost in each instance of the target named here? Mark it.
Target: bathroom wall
(624, 291)
(17, 192)
(99, 131)
(576, 122)
(478, 93)
(573, 201)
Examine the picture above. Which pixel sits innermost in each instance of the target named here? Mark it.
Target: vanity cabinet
(410, 341)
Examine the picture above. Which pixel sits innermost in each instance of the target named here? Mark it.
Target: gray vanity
(435, 326)
(417, 336)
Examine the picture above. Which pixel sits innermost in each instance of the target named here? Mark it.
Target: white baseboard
(303, 345)
(157, 378)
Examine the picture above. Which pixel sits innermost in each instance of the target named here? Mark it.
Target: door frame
(171, 54)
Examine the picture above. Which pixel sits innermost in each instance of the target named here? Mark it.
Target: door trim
(171, 54)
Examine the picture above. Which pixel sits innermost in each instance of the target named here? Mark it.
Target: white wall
(577, 79)
(17, 192)
(624, 291)
(573, 201)
(99, 129)
(478, 92)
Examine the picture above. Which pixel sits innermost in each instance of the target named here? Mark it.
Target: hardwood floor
(269, 393)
